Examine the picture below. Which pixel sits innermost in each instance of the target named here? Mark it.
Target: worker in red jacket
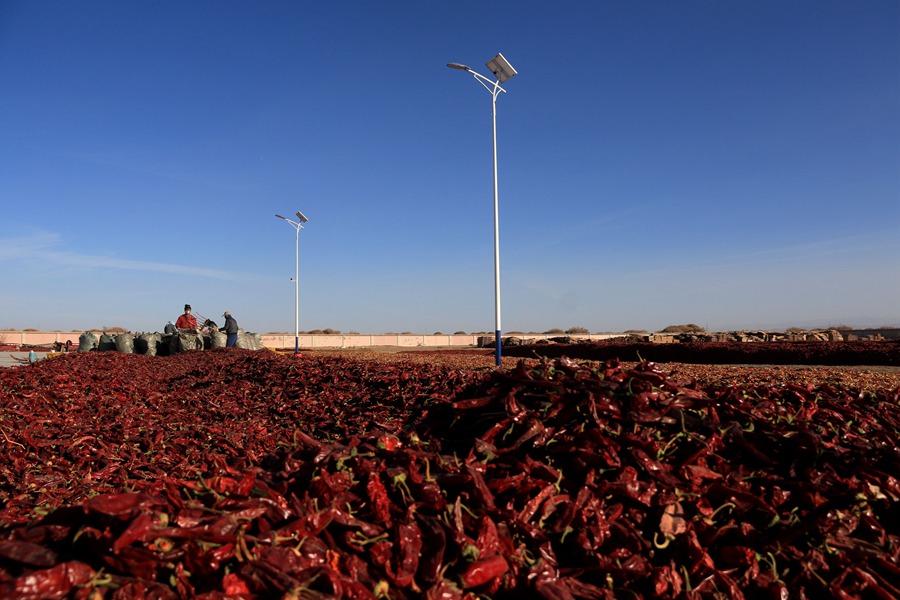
(187, 320)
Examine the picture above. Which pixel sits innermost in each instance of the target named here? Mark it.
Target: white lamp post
(502, 70)
(297, 225)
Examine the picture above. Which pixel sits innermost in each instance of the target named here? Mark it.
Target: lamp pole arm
(492, 86)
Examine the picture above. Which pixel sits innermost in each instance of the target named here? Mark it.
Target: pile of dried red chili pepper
(860, 352)
(249, 475)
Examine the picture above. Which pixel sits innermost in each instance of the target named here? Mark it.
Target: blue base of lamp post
(498, 351)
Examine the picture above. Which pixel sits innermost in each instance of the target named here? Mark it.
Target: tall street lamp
(502, 70)
(298, 225)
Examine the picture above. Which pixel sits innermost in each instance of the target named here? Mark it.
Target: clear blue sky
(730, 164)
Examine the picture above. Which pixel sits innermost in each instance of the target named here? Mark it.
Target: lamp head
(458, 66)
(280, 217)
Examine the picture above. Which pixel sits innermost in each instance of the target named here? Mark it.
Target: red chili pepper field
(242, 474)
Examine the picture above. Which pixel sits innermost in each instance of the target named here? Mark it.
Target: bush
(577, 330)
(554, 330)
(459, 333)
(689, 328)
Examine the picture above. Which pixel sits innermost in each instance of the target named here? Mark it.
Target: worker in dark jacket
(231, 329)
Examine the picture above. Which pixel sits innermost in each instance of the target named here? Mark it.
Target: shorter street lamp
(503, 71)
(297, 225)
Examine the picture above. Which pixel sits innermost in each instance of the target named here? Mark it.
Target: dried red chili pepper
(434, 543)
(28, 553)
(484, 570)
(409, 546)
(378, 496)
(56, 582)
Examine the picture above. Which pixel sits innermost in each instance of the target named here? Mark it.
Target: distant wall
(405, 341)
(47, 338)
(363, 341)
(40, 338)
